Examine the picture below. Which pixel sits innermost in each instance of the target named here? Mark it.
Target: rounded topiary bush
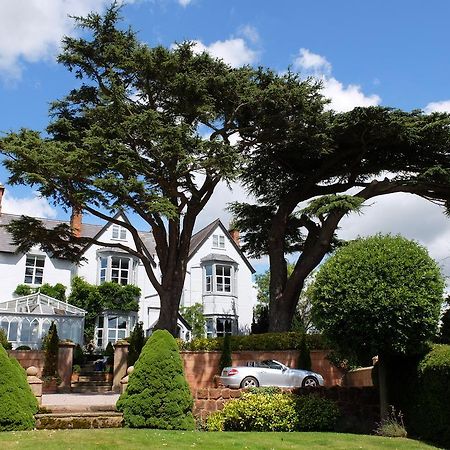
(316, 413)
(158, 395)
(17, 403)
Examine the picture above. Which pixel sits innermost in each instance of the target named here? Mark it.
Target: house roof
(218, 257)
(87, 230)
(93, 231)
(199, 238)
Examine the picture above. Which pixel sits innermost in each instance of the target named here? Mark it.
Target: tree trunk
(168, 313)
(382, 383)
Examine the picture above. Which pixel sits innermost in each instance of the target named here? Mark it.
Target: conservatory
(26, 320)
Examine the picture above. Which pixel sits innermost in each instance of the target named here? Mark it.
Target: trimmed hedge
(158, 395)
(263, 410)
(267, 341)
(17, 403)
(430, 419)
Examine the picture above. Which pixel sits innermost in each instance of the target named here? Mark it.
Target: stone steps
(78, 420)
(78, 387)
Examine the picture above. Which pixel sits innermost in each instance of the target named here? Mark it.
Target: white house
(219, 276)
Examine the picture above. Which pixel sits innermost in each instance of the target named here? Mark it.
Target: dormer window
(218, 241)
(119, 232)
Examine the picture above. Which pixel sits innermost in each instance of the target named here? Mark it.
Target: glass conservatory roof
(40, 304)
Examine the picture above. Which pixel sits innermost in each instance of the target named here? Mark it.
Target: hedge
(158, 394)
(264, 342)
(430, 418)
(17, 403)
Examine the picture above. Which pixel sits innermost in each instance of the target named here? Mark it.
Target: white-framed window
(10, 328)
(218, 241)
(119, 232)
(220, 326)
(219, 278)
(113, 326)
(34, 269)
(118, 269)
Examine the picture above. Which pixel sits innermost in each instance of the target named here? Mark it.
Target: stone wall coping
(66, 344)
(245, 351)
(360, 369)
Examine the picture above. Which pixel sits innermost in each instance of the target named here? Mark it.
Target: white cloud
(408, 215)
(31, 30)
(442, 106)
(343, 98)
(35, 206)
(312, 63)
(184, 3)
(234, 51)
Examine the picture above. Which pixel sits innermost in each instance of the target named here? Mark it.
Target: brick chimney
(76, 219)
(2, 191)
(235, 236)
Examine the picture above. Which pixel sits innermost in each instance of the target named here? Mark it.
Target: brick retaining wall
(29, 358)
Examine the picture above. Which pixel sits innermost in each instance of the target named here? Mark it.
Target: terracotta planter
(75, 377)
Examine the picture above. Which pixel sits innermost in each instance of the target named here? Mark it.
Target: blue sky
(393, 53)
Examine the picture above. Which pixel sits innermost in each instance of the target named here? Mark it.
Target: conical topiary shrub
(158, 395)
(17, 403)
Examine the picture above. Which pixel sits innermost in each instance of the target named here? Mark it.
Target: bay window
(219, 278)
(118, 269)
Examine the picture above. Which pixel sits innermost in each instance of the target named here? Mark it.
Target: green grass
(177, 440)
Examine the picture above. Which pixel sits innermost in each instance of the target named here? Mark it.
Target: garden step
(91, 386)
(94, 376)
(81, 420)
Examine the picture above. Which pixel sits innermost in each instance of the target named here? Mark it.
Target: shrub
(316, 413)
(23, 347)
(225, 357)
(78, 356)
(50, 347)
(444, 334)
(158, 395)
(137, 341)
(267, 341)
(17, 402)
(109, 353)
(256, 412)
(4, 340)
(430, 418)
(304, 360)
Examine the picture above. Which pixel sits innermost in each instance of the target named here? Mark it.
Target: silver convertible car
(268, 373)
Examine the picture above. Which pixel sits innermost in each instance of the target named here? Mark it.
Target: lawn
(177, 440)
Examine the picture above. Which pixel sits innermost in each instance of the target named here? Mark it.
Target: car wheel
(249, 382)
(310, 382)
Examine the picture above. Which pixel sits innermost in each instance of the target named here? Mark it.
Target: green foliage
(316, 413)
(50, 347)
(431, 412)
(263, 410)
(4, 340)
(109, 353)
(76, 368)
(17, 403)
(266, 390)
(256, 412)
(322, 206)
(95, 299)
(267, 341)
(136, 341)
(158, 395)
(195, 318)
(444, 334)
(378, 295)
(57, 291)
(78, 355)
(225, 357)
(304, 359)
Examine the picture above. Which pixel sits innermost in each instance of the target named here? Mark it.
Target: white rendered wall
(12, 272)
